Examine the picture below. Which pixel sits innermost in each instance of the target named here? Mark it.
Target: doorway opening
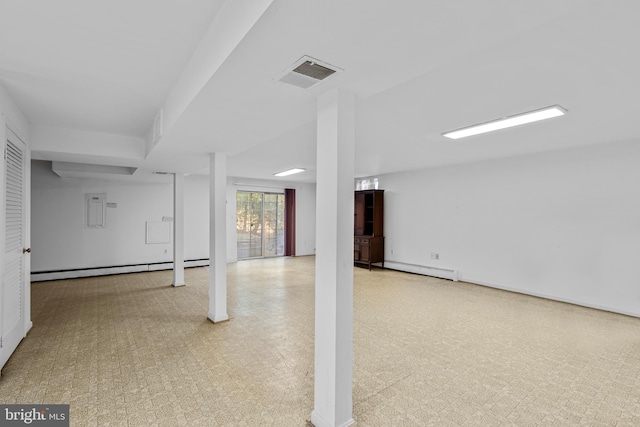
(260, 224)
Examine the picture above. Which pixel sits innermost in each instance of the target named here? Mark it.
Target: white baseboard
(425, 270)
(219, 318)
(163, 266)
(319, 421)
(196, 263)
(455, 276)
(550, 297)
(74, 274)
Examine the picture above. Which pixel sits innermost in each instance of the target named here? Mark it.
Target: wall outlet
(435, 256)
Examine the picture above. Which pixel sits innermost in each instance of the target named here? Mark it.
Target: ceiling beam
(232, 23)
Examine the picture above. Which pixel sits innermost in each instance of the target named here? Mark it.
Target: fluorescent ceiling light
(520, 119)
(289, 172)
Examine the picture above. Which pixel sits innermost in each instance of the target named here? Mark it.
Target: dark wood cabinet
(368, 241)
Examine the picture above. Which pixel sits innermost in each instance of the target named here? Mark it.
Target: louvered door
(12, 300)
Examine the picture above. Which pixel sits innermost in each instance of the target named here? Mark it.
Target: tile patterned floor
(130, 350)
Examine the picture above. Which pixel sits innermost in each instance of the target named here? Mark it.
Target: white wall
(62, 242)
(562, 224)
(13, 116)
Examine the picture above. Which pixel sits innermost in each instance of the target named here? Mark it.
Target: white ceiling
(418, 68)
(97, 65)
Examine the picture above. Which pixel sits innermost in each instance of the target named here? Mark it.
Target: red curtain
(289, 222)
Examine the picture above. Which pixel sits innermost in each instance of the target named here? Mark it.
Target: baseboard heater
(41, 276)
(424, 270)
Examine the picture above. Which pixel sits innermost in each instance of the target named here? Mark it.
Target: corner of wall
(14, 118)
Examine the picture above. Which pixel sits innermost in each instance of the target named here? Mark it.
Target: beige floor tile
(132, 350)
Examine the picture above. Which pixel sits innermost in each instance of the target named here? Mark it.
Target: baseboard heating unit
(107, 271)
(424, 270)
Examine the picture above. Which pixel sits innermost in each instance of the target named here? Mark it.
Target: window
(259, 224)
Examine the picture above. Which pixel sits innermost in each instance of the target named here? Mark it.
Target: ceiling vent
(307, 72)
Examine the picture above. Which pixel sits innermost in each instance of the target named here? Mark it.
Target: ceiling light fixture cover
(289, 172)
(519, 119)
(307, 72)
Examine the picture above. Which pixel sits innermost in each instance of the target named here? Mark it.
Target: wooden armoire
(368, 240)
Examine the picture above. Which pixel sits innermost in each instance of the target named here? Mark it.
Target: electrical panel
(96, 210)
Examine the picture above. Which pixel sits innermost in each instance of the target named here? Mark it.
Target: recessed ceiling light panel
(289, 172)
(519, 119)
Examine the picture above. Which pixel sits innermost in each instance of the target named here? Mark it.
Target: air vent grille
(307, 72)
(313, 70)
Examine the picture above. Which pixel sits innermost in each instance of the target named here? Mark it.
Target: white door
(12, 291)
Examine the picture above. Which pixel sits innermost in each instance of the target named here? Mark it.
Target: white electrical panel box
(96, 210)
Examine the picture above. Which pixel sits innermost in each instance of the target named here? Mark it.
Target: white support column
(334, 261)
(218, 237)
(178, 229)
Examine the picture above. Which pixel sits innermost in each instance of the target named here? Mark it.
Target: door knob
(26, 251)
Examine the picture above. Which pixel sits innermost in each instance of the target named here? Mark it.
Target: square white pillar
(334, 261)
(178, 229)
(218, 237)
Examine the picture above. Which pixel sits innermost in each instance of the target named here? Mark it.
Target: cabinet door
(365, 250)
(356, 250)
(378, 214)
(359, 218)
(365, 253)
